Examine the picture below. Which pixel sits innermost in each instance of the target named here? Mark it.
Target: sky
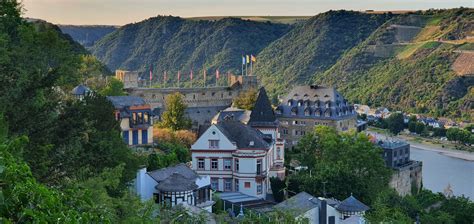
(120, 12)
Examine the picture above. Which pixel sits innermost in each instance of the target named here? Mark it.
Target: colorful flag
(217, 74)
(253, 58)
(248, 59)
(179, 75)
(243, 60)
(191, 75)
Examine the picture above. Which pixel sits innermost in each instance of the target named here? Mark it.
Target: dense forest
(167, 43)
(87, 35)
(378, 59)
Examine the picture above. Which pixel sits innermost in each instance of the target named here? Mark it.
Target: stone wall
(407, 177)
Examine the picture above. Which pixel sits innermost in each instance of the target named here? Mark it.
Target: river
(440, 170)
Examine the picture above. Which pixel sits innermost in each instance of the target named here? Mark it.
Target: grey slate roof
(232, 113)
(315, 102)
(121, 102)
(176, 182)
(80, 90)
(298, 204)
(182, 169)
(262, 113)
(243, 134)
(351, 204)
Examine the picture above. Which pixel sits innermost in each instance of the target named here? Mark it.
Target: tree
(440, 132)
(173, 117)
(246, 100)
(412, 126)
(114, 88)
(395, 123)
(419, 127)
(346, 162)
(277, 186)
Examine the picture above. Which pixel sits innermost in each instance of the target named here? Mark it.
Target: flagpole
(246, 69)
(243, 62)
(251, 66)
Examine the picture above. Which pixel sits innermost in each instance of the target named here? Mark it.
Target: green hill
(87, 35)
(407, 64)
(172, 44)
(313, 47)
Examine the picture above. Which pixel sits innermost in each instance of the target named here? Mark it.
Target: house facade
(307, 106)
(135, 118)
(238, 158)
(175, 185)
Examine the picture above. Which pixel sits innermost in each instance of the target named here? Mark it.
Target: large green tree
(246, 100)
(174, 115)
(395, 123)
(342, 163)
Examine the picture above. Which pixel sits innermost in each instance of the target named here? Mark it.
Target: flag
(164, 76)
(151, 72)
(253, 58)
(217, 73)
(179, 75)
(243, 60)
(191, 75)
(248, 59)
(204, 75)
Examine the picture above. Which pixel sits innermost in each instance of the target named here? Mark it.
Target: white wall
(213, 133)
(145, 185)
(312, 215)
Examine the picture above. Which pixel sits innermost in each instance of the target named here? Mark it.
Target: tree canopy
(246, 100)
(174, 115)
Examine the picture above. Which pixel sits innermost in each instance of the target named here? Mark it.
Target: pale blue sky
(119, 12)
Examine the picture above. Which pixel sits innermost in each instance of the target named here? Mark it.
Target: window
(227, 184)
(214, 164)
(213, 144)
(259, 188)
(215, 184)
(295, 122)
(236, 167)
(146, 118)
(259, 166)
(236, 184)
(134, 118)
(227, 164)
(201, 164)
(140, 118)
(247, 185)
(285, 131)
(278, 153)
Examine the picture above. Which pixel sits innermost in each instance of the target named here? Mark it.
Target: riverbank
(444, 149)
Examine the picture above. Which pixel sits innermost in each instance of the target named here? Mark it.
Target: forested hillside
(87, 35)
(313, 47)
(407, 64)
(172, 44)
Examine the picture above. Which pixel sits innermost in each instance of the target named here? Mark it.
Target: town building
(407, 173)
(237, 157)
(129, 79)
(319, 210)
(135, 116)
(175, 185)
(307, 106)
(81, 91)
(203, 102)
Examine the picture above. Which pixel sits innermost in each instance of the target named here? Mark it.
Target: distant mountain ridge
(87, 35)
(414, 61)
(167, 43)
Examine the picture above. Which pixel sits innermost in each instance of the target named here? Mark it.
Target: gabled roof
(299, 204)
(232, 113)
(121, 102)
(177, 182)
(80, 90)
(262, 113)
(182, 169)
(351, 204)
(243, 135)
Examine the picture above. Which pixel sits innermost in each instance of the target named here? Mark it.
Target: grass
(409, 50)
(466, 47)
(430, 44)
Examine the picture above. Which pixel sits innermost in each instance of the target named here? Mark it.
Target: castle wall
(405, 178)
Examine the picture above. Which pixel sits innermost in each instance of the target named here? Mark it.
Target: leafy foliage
(246, 100)
(173, 117)
(113, 88)
(343, 163)
(395, 123)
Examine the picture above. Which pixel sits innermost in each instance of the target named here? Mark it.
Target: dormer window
(294, 110)
(290, 102)
(307, 113)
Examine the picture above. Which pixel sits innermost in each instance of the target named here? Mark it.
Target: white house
(320, 210)
(175, 185)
